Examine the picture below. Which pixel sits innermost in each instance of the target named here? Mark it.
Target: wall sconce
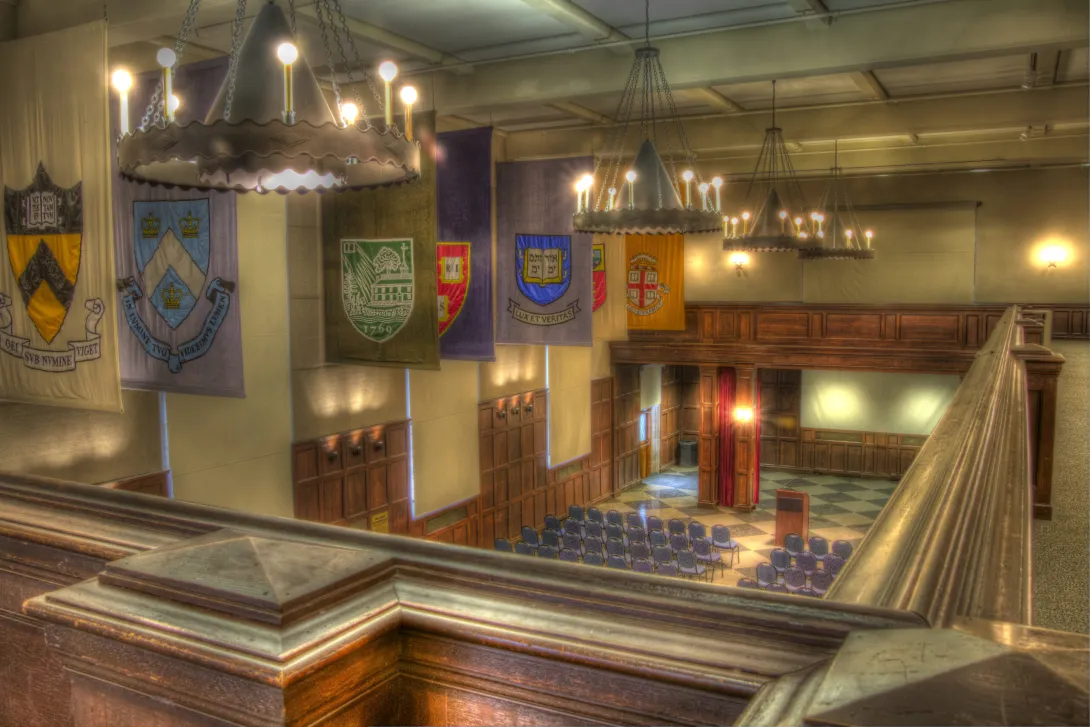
(529, 408)
(743, 414)
(331, 454)
(1052, 255)
(356, 449)
(376, 439)
(515, 409)
(501, 413)
(739, 260)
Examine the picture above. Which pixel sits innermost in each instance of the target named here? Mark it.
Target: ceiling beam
(391, 40)
(902, 35)
(582, 22)
(870, 85)
(811, 7)
(717, 100)
(581, 112)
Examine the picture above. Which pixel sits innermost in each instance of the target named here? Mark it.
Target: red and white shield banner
(452, 277)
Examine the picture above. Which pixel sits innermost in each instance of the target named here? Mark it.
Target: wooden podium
(792, 515)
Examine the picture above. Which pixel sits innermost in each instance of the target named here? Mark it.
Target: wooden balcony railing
(122, 609)
(954, 539)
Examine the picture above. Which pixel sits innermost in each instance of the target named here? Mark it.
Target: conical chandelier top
(774, 192)
(632, 190)
(835, 225)
(270, 128)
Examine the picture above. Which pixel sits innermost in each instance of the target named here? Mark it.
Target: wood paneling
(854, 453)
(152, 483)
(626, 432)
(356, 478)
(669, 416)
(601, 433)
(780, 400)
(708, 436)
(744, 439)
(513, 432)
(1069, 322)
(457, 524)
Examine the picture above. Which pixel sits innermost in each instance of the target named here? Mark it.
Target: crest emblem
(645, 292)
(543, 266)
(598, 255)
(377, 287)
(45, 237)
(452, 278)
(171, 245)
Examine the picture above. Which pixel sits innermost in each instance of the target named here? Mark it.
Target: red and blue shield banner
(453, 272)
(598, 259)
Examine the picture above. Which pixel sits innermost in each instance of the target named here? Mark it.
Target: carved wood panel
(626, 434)
(855, 453)
(780, 401)
(358, 478)
(669, 416)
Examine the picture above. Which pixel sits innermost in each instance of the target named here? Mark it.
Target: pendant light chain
(153, 113)
(291, 15)
(320, 14)
(340, 48)
(359, 62)
(236, 44)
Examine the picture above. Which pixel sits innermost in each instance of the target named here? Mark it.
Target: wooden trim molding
(601, 434)
(150, 483)
(358, 478)
(457, 524)
(513, 435)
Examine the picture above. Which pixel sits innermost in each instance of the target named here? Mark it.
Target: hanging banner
(464, 267)
(598, 261)
(379, 250)
(179, 327)
(58, 340)
(655, 291)
(543, 268)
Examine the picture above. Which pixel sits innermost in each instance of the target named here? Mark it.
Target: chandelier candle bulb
(612, 194)
(349, 112)
(173, 105)
(630, 176)
(783, 222)
(869, 235)
(388, 71)
(687, 175)
(717, 182)
(726, 221)
(167, 58)
(408, 97)
(798, 227)
(745, 223)
(122, 81)
(703, 187)
(288, 54)
(734, 227)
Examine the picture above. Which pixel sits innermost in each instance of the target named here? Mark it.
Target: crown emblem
(150, 226)
(172, 297)
(191, 226)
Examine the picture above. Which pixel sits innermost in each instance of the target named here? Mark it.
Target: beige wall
(569, 374)
(875, 402)
(82, 445)
(515, 370)
(237, 452)
(650, 386)
(443, 405)
(939, 249)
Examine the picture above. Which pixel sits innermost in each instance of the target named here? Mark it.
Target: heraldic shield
(171, 245)
(543, 266)
(45, 237)
(377, 285)
(452, 280)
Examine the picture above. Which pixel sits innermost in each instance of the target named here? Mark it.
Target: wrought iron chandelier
(643, 197)
(834, 223)
(774, 191)
(270, 128)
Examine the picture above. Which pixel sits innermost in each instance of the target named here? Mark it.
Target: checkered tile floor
(841, 508)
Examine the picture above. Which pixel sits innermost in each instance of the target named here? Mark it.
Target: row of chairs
(691, 563)
(794, 544)
(777, 588)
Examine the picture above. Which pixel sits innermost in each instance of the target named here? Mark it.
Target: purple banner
(177, 264)
(464, 215)
(544, 286)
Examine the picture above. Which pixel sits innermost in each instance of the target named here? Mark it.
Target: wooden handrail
(954, 539)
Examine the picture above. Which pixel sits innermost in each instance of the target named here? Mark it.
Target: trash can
(687, 455)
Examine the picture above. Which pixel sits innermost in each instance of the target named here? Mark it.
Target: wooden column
(1042, 375)
(626, 433)
(708, 447)
(745, 443)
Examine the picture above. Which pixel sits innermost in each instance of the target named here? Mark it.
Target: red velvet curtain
(726, 436)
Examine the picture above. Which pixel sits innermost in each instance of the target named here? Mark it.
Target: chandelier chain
(318, 11)
(153, 113)
(340, 47)
(236, 44)
(359, 61)
(291, 15)
(615, 142)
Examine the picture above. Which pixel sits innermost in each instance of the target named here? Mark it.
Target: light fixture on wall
(270, 127)
(1052, 255)
(631, 191)
(834, 225)
(773, 205)
(743, 414)
(739, 260)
